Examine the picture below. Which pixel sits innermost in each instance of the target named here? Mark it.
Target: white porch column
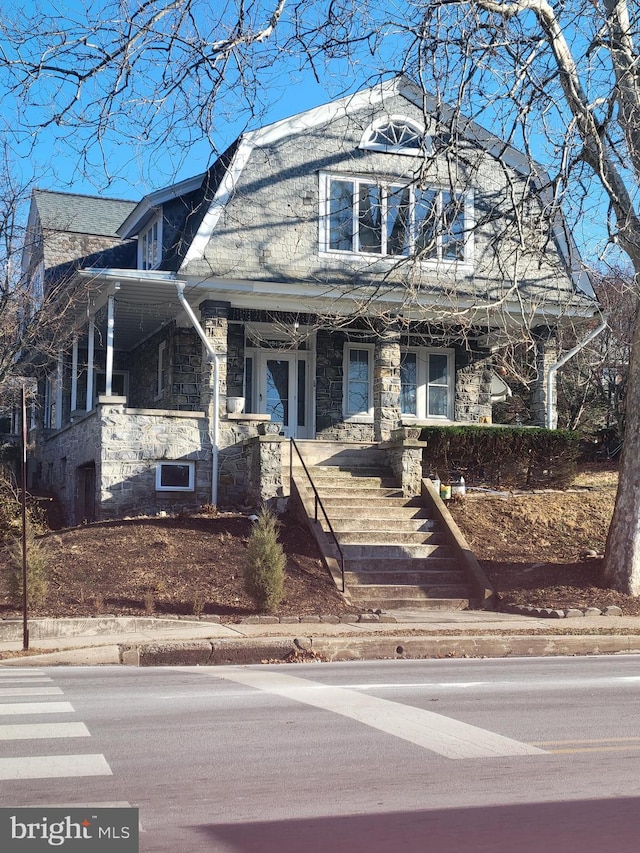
(108, 386)
(90, 353)
(74, 374)
(59, 377)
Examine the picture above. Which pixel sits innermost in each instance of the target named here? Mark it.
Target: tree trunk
(621, 569)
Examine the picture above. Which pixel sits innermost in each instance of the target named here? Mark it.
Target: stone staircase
(396, 554)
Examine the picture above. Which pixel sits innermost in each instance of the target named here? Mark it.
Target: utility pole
(25, 624)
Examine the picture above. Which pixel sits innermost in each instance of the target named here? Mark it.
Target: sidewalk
(144, 641)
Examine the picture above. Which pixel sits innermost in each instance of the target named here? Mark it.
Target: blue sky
(72, 159)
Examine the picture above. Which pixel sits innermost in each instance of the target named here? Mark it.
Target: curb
(242, 652)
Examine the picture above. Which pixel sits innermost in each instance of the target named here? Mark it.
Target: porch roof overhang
(148, 299)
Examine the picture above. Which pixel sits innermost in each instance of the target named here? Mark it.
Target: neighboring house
(335, 275)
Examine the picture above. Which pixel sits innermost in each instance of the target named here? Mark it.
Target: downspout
(565, 358)
(213, 356)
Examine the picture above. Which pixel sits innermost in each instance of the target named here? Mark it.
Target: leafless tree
(558, 80)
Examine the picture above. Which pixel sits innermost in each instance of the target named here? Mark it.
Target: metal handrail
(317, 501)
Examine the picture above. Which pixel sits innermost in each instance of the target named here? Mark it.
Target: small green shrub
(37, 570)
(264, 569)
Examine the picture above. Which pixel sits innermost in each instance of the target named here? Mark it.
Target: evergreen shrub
(264, 569)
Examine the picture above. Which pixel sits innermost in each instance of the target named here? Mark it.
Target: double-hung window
(150, 246)
(358, 380)
(368, 217)
(426, 383)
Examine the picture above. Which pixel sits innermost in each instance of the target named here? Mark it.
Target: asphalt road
(451, 755)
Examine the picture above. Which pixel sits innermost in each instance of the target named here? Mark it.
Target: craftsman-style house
(337, 275)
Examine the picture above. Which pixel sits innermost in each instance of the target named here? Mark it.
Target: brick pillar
(546, 356)
(214, 320)
(386, 385)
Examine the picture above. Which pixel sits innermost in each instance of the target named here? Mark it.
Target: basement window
(175, 476)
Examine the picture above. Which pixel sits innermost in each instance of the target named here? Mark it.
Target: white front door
(282, 391)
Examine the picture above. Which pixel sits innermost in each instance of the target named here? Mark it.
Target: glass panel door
(278, 390)
(283, 392)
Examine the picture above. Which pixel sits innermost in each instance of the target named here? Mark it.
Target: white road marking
(435, 732)
(23, 680)
(13, 708)
(54, 766)
(29, 691)
(26, 731)
(27, 673)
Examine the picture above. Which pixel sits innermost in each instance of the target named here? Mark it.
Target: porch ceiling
(141, 307)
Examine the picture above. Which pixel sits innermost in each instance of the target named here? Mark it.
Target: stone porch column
(386, 385)
(214, 318)
(546, 356)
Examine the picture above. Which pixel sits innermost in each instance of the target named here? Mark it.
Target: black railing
(317, 501)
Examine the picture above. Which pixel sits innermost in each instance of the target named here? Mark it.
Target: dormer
(146, 222)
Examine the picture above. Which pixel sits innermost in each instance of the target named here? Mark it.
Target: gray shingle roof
(81, 214)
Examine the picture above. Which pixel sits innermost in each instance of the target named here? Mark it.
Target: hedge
(502, 456)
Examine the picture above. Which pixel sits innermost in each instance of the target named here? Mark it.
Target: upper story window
(365, 216)
(395, 134)
(150, 246)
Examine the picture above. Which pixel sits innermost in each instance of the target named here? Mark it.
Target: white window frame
(367, 144)
(355, 251)
(362, 415)
(150, 245)
(161, 382)
(422, 388)
(175, 464)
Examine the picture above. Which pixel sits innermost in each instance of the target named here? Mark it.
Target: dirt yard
(530, 546)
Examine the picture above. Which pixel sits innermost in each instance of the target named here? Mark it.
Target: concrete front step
(348, 454)
(390, 551)
(374, 502)
(359, 472)
(374, 592)
(387, 527)
(408, 603)
(389, 513)
(440, 560)
(425, 578)
(392, 537)
(363, 493)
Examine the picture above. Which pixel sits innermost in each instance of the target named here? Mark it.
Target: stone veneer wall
(473, 387)
(133, 441)
(125, 445)
(329, 384)
(546, 357)
(60, 454)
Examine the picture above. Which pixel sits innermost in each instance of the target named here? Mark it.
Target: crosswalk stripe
(25, 673)
(21, 680)
(54, 766)
(443, 735)
(13, 708)
(30, 691)
(27, 731)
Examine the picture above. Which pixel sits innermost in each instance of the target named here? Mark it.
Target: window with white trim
(175, 476)
(396, 134)
(368, 217)
(150, 245)
(358, 380)
(427, 383)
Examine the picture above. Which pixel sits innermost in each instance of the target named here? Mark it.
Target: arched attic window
(396, 134)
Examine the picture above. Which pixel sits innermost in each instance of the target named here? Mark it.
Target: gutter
(565, 358)
(213, 356)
